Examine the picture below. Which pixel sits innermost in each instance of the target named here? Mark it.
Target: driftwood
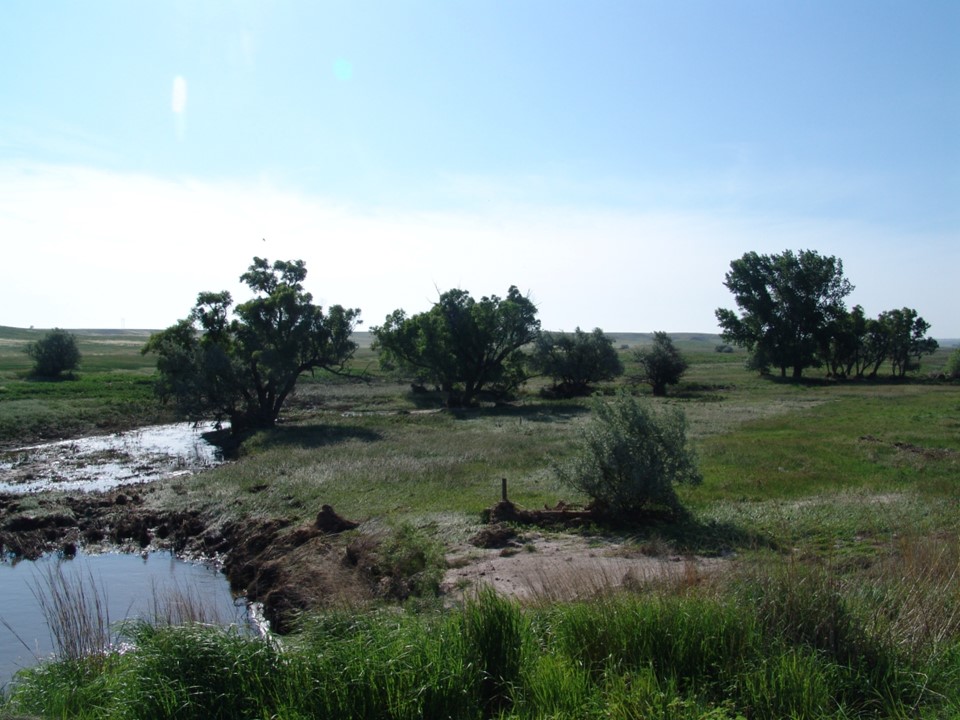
(562, 514)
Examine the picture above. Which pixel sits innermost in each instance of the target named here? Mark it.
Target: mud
(287, 568)
(101, 462)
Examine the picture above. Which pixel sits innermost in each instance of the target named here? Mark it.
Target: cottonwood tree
(461, 345)
(54, 354)
(243, 365)
(661, 364)
(854, 344)
(906, 332)
(575, 360)
(787, 303)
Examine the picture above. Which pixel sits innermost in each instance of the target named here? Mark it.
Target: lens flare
(178, 102)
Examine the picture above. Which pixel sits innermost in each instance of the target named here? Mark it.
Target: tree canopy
(461, 345)
(54, 354)
(661, 364)
(786, 302)
(245, 367)
(575, 360)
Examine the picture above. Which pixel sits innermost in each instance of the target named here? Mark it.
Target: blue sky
(611, 158)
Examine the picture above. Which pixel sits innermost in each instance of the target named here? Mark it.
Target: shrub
(631, 457)
(54, 354)
(411, 563)
(952, 368)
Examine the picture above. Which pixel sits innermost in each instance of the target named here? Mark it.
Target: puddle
(102, 462)
(130, 587)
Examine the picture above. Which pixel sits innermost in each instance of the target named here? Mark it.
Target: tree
(786, 303)
(244, 368)
(661, 364)
(905, 331)
(574, 361)
(630, 457)
(54, 354)
(461, 345)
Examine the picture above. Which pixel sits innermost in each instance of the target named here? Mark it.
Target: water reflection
(102, 462)
(156, 587)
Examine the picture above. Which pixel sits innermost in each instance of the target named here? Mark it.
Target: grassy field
(112, 390)
(836, 504)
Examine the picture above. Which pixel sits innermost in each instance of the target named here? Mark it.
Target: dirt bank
(292, 568)
(287, 568)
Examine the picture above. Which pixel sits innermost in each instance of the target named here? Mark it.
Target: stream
(144, 586)
(102, 462)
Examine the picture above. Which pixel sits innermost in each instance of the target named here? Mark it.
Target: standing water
(102, 462)
(128, 586)
(153, 587)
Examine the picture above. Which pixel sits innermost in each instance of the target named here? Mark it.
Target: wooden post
(503, 489)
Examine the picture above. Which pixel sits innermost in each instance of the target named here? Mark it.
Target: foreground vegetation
(835, 505)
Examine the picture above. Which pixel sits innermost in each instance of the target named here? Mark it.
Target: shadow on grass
(543, 413)
(688, 535)
(314, 436)
(712, 538)
(704, 392)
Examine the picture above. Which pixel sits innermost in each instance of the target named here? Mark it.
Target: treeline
(241, 363)
(793, 317)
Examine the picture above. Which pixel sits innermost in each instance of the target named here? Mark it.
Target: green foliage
(772, 651)
(660, 365)
(496, 632)
(574, 361)
(246, 368)
(462, 345)
(952, 369)
(54, 354)
(905, 331)
(630, 457)
(412, 562)
(786, 302)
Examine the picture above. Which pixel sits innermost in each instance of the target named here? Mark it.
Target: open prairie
(825, 533)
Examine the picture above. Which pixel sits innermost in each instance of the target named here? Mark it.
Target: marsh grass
(76, 612)
(796, 645)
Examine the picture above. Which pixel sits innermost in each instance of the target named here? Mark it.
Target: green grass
(112, 389)
(837, 505)
(788, 646)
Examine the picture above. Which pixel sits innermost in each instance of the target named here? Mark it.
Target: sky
(609, 158)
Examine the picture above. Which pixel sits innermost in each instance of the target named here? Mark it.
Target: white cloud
(89, 248)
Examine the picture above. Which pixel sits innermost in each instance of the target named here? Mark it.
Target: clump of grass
(496, 633)
(76, 613)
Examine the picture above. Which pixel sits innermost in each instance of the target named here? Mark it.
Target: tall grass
(797, 646)
(76, 612)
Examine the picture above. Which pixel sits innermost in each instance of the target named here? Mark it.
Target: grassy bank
(835, 507)
(791, 642)
(112, 390)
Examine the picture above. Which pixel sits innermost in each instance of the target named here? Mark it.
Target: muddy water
(102, 462)
(133, 586)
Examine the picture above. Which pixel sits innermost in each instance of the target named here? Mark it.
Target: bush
(952, 368)
(631, 457)
(54, 354)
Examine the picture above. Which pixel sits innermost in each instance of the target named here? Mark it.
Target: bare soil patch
(555, 566)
